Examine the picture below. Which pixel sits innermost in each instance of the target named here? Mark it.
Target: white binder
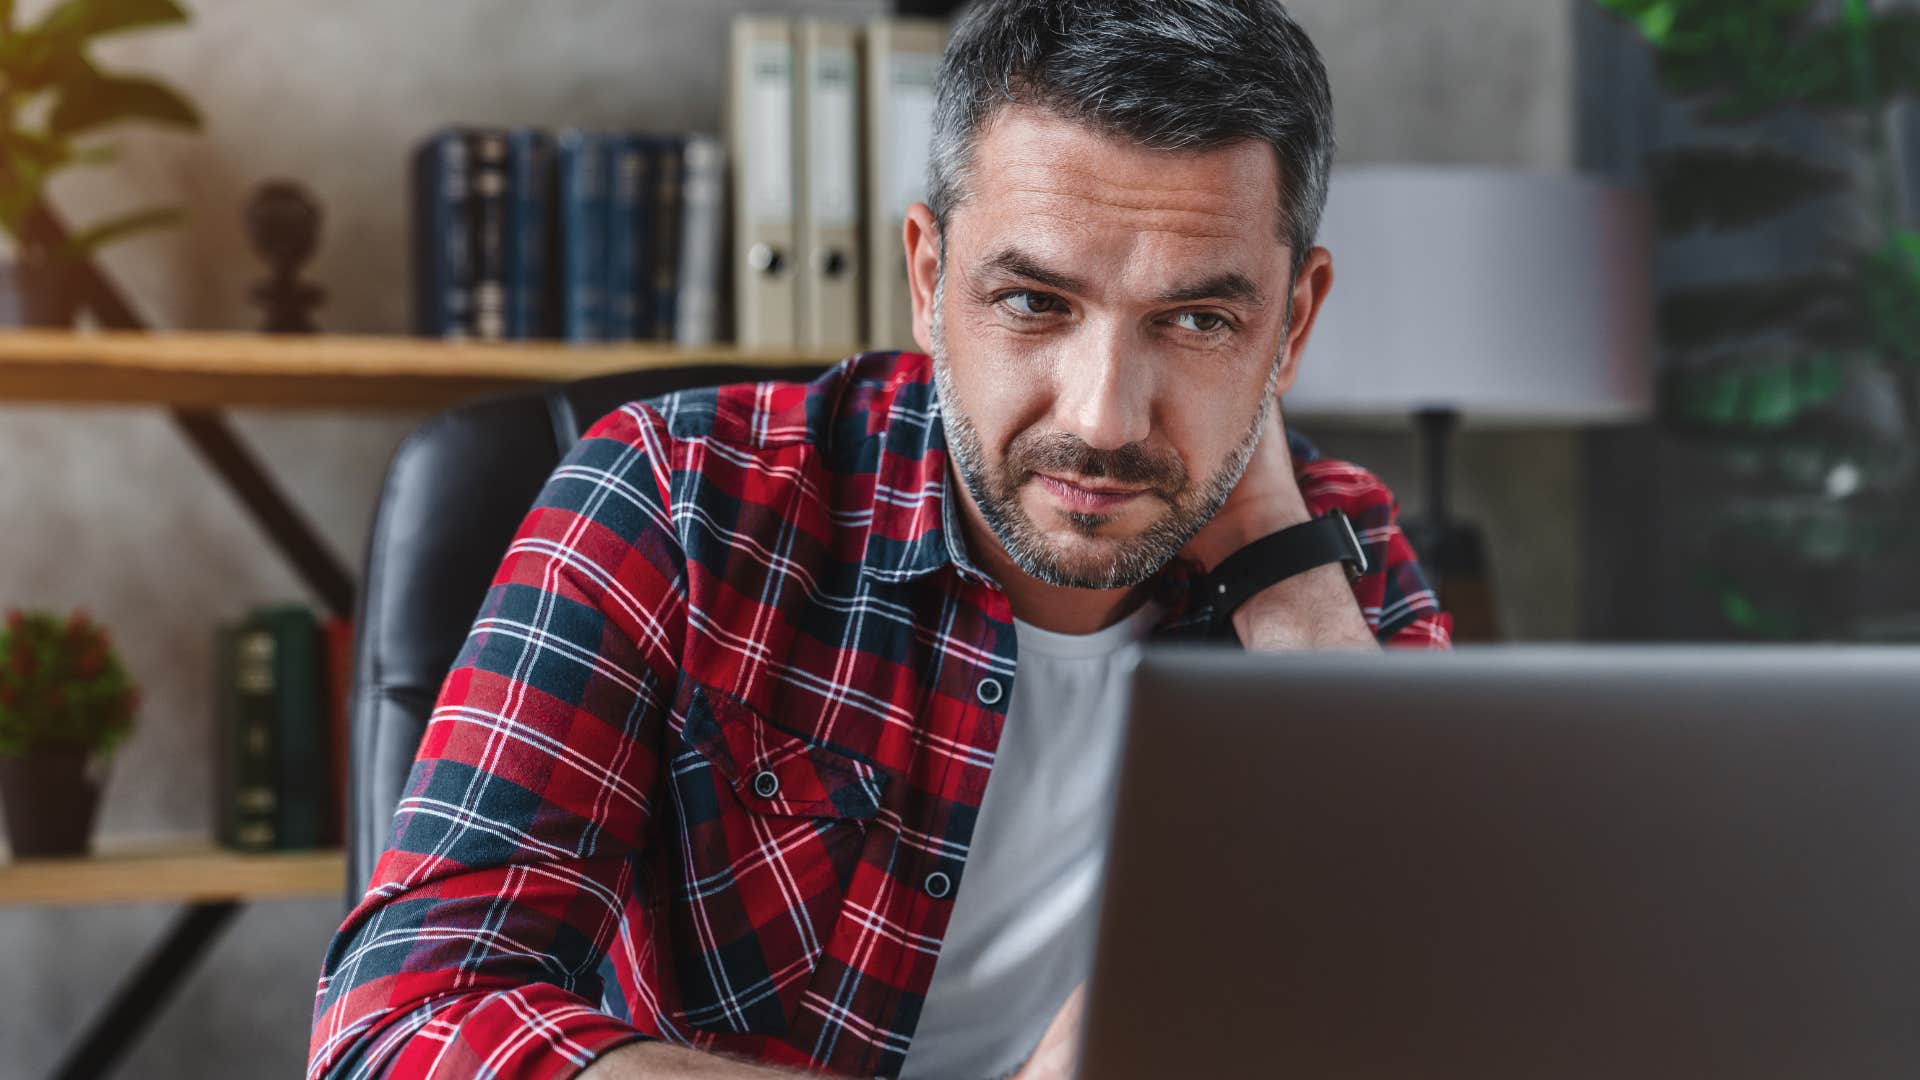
(902, 63)
(831, 258)
(760, 132)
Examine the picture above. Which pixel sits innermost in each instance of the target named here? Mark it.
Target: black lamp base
(1451, 551)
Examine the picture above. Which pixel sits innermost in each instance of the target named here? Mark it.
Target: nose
(1105, 390)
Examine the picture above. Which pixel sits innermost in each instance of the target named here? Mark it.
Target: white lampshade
(1505, 296)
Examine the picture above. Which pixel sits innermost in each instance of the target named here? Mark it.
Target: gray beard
(997, 496)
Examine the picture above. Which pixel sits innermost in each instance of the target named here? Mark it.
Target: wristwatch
(1272, 559)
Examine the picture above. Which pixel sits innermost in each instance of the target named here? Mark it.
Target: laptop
(1564, 863)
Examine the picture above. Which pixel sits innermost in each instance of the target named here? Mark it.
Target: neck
(1058, 608)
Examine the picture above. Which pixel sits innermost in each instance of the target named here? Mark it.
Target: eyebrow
(1016, 263)
(1231, 286)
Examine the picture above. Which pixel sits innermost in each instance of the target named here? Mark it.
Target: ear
(922, 238)
(1310, 289)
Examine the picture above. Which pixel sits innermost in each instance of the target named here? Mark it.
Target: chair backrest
(455, 493)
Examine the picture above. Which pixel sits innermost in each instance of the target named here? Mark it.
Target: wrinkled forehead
(1038, 178)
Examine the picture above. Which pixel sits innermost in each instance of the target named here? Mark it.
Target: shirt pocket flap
(773, 771)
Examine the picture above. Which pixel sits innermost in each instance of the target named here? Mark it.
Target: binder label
(770, 131)
(833, 175)
(912, 115)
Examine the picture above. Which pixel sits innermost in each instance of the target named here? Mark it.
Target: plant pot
(51, 798)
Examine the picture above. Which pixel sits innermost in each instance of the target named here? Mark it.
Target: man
(706, 791)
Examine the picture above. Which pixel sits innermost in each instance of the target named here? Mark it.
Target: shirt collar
(915, 529)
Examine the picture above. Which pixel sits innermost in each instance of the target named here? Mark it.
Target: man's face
(1109, 324)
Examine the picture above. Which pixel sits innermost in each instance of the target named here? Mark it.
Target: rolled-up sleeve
(1394, 594)
(476, 950)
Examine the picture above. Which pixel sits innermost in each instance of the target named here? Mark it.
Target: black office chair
(456, 491)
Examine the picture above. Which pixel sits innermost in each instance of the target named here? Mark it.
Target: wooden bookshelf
(216, 370)
(187, 874)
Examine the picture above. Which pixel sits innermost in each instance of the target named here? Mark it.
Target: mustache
(1059, 452)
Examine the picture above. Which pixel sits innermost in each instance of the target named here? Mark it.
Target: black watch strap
(1272, 559)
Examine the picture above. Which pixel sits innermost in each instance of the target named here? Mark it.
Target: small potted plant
(53, 95)
(65, 703)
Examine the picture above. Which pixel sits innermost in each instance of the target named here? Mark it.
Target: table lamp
(1509, 298)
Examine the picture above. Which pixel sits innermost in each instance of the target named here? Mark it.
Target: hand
(1059, 1050)
(1314, 610)
(1266, 500)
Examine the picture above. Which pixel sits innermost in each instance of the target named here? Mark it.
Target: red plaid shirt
(707, 766)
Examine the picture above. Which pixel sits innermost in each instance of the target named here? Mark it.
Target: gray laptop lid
(1515, 863)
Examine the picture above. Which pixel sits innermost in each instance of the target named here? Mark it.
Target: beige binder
(902, 62)
(831, 257)
(760, 132)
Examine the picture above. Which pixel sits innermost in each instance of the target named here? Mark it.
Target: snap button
(939, 885)
(989, 691)
(766, 785)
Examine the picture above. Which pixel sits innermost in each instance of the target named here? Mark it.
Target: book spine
(338, 632)
(443, 254)
(225, 735)
(702, 243)
(626, 164)
(583, 238)
(300, 740)
(663, 291)
(487, 153)
(530, 160)
(253, 689)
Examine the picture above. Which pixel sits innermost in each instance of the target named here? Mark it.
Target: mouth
(1081, 498)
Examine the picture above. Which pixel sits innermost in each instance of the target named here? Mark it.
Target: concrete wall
(107, 508)
(1489, 82)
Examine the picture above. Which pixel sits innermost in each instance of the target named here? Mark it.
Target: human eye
(1028, 304)
(1202, 322)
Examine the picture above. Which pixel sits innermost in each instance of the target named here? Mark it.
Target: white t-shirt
(1021, 936)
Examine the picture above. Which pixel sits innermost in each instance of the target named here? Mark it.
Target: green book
(301, 754)
(244, 690)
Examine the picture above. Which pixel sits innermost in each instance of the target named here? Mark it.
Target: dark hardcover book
(338, 633)
(487, 155)
(301, 754)
(669, 184)
(629, 162)
(246, 690)
(580, 194)
(530, 217)
(442, 251)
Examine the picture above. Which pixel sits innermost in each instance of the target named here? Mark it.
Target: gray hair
(1168, 74)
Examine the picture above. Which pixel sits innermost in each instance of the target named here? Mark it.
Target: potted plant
(65, 704)
(1799, 391)
(52, 95)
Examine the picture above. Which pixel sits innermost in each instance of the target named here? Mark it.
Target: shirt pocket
(772, 829)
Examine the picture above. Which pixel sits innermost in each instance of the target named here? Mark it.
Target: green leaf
(33, 61)
(26, 162)
(1890, 281)
(1732, 188)
(80, 20)
(52, 51)
(1656, 23)
(114, 99)
(120, 228)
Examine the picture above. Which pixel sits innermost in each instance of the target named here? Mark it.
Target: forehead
(1035, 171)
